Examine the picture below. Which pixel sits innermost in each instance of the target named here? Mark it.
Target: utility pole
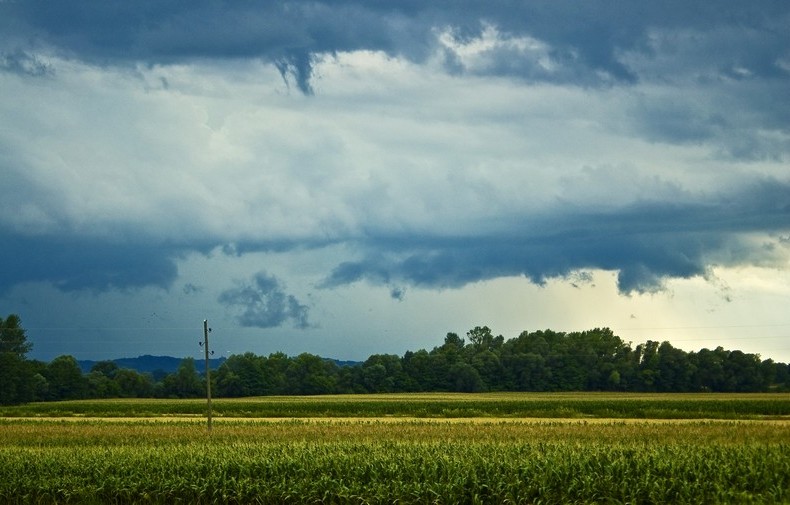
(206, 329)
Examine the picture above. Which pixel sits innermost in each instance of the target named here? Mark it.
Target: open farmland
(437, 405)
(318, 454)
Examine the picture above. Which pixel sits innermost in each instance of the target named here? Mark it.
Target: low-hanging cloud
(262, 302)
(646, 243)
(75, 263)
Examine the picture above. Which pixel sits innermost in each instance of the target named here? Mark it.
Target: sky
(348, 177)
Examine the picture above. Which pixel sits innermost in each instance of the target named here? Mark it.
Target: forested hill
(156, 365)
(160, 366)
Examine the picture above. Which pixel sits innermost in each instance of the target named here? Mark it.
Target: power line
(697, 339)
(115, 328)
(194, 328)
(701, 327)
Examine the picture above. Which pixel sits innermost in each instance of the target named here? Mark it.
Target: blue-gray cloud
(587, 42)
(21, 62)
(646, 243)
(73, 263)
(263, 303)
(736, 54)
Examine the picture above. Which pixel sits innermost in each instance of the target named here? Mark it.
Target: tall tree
(66, 381)
(16, 378)
(309, 374)
(13, 338)
(132, 384)
(185, 382)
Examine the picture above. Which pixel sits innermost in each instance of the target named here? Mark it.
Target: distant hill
(162, 365)
(157, 365)
(342, 363)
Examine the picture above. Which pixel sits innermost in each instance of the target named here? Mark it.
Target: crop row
(385, 462)
(80, 433)
(678, 406)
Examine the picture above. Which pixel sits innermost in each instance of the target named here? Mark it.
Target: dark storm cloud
(77, 263)
(585, 39)
(646, 243)
(285, 33)
(263, 303)
(737, 52)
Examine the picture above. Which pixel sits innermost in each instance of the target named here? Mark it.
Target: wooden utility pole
(208, 370)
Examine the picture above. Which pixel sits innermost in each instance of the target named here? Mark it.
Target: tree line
(546, 360)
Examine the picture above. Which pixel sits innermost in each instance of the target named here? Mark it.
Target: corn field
(394, 461)
(437, 405)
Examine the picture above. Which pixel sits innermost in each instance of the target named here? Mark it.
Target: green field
(438, 405)
(402, 448)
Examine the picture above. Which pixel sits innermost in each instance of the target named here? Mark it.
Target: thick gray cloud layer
(712, 76)
(77, 263)
(646, 242)
(588, 41)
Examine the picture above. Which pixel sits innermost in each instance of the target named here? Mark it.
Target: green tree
(465, 379)
(442, 360)
(16, 378)
(101, 386)
(744, 372)
(39, 386)
(600, 352)
(647, 374)
(275, 370)
(452, 342)
(132, 384)
(420, 371)
(185, 382)
(782, 376)
(382, 373)
(241, 375)
(526, 372)
(309, 374)
(482, 339)
(229, 384)
(106, 368)
(13, 338)
(674, 370)
(101, 383)
(489, 369)
(65, 379)
(709, 372)
(13, 377)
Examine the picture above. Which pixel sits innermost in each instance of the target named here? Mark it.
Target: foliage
(13, 339)
(185, 383)
(18, 378)
(65, 379)
(593, 360)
